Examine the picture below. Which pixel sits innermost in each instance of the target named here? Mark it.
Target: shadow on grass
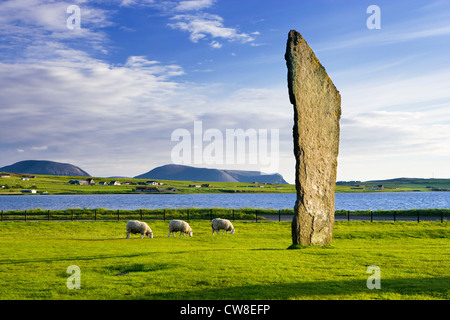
(120, 270)
(301, 246)
(431, 288)
(74, 258)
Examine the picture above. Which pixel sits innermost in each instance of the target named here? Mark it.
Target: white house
(29, 191)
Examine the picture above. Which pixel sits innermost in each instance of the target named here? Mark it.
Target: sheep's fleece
(222, 224)
(134, 226)
(179, 225)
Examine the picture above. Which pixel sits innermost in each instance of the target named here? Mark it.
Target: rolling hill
(186, 173)
(45, 167)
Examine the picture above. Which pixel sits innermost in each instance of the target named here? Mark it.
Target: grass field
(254, 263)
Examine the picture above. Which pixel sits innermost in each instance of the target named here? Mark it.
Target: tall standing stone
(317, 110)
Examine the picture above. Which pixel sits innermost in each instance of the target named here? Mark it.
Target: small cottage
(29, 191)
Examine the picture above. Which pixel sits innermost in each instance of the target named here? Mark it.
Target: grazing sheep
(222, 224)
(134, 226)
(179, 225)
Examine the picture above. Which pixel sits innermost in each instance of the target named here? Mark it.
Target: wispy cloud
(423, 24)
(190, 16)
(39, 148)
(33, 22)
(190, 5)
(385, 38)
(204, 26)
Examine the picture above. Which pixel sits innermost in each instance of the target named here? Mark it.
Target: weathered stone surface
(317, 111)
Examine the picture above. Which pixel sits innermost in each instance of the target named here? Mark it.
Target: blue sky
(108, 96)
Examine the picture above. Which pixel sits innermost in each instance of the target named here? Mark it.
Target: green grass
(254, 263)
(77, 214)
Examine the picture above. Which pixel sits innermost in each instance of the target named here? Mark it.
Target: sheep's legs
(128, 235)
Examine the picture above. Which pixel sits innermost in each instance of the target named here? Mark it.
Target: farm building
(147, 189)
(155, 190)
(29, 191)
(79, 182)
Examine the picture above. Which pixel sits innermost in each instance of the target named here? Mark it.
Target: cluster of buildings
(155, 189)
(148, 186)
(205, 185)
(91, 182)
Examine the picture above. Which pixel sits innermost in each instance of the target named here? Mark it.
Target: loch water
(343, 201)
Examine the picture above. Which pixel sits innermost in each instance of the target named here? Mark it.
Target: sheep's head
(149, 234)
(190, 232)
(232, 231)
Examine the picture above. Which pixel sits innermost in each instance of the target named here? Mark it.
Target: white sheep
(134, 226)
(222, 224)
(179, 225)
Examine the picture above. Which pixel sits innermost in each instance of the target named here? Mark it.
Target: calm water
(344, 201)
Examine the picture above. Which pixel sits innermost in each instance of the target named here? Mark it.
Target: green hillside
(398, 184)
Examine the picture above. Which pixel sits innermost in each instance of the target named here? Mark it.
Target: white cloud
(385, 38)
(425, 25)
(129, 3)
(190, 5)
(396, 91)
(39, 148)
(215, 44)
(33, 22)
(203, 25)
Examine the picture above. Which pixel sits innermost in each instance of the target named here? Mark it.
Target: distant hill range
(186, 173)
(45, 167)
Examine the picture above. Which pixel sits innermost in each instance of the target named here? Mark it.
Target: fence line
(210, 213)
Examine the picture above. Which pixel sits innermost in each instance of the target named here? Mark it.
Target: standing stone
(317, 110)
